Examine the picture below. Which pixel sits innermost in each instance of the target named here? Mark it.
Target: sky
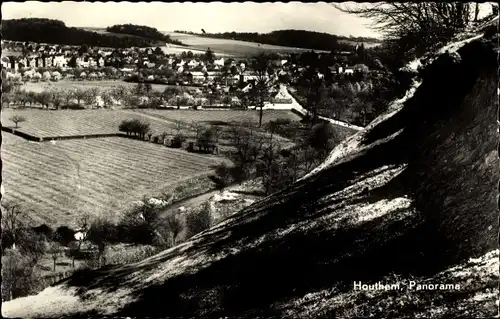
(213, 17)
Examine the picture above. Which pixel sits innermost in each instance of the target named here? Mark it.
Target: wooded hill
(56, 32)
(141, 31)
(291, 38)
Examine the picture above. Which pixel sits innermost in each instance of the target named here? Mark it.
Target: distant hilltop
(293, 38)
(56, 32)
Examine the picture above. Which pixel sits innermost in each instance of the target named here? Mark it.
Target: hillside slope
(412, 197)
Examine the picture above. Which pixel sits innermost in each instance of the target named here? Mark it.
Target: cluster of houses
(191, 69)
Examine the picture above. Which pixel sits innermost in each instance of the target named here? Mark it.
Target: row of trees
(292, 38)
(135, 127)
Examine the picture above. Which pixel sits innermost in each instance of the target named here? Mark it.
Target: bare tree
(196, 128)
(57, 98)
(101, 233)
(107, 99)
(68, 96)
(179, 125)
(83, 224)
(79, 94)
(90, 96)
(44, 98)
(174, 225)
(17, 119)
(262, 66)
(55, 252)
(13, 217)
(421, 24)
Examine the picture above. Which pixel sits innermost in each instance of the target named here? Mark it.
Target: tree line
(292, 38)
(56, 32)
(141, 31)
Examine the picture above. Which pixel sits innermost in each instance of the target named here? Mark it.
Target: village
(43, 62)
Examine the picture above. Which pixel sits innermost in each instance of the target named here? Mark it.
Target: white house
(198, 76)
(193, 63)
(219, 62)
(81, 63)
(5, 62)
(349, 71)
(100, 62)
(60, 61)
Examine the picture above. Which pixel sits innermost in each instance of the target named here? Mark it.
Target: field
(52, 123)
(220, 116)
(58, 181)
(232, 47)
(100, 84)
(10, 139)
(366, 44)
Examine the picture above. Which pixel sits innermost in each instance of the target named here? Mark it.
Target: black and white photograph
(250, 160)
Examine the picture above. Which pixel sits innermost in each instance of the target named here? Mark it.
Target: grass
(10, 139)
(86, 84)
(231, 47)
(53, 123)
(102, 176)
(221, 116)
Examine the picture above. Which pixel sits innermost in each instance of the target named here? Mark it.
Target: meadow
(87, 84)
(232, 47)
(61, 180)
(55, 123)
(9, 139)
(63, 123)
(223, 117)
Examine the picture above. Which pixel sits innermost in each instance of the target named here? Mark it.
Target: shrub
(322, 138)
(64, 235)
(130, 255)
(178, 140)
(18, 277)
(223, 176)
(44, 230)
(196, 222)
(101, 233)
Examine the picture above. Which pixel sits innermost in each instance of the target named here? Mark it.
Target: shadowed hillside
(409, 198)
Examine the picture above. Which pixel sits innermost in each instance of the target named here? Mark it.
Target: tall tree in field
(209, 56)
(57, 98)
(79, 94)
(44, 98)
(315, 93)
(262, 67)
(90, 96)
(107, 100)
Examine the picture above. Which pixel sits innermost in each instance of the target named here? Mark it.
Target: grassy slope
(408, 197)
(232, 47)
(101, 176)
